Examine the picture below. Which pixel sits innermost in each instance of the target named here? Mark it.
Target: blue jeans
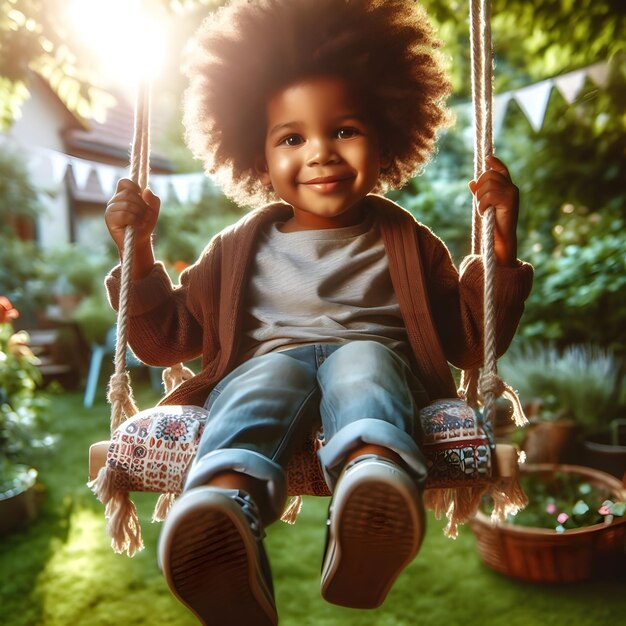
(264, 410)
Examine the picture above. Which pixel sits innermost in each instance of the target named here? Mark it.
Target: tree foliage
(571, 173)
(533, 39)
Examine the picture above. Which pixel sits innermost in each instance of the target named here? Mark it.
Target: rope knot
(491, 383)
(119, 387)
(120, 396)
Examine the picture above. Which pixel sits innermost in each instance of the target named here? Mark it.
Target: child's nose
(321, 152)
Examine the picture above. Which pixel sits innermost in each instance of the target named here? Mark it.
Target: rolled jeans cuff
(251, 464)
(376, 432)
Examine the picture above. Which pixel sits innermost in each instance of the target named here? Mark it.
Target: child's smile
(321, 153)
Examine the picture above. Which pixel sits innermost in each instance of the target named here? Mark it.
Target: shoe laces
(250, 511)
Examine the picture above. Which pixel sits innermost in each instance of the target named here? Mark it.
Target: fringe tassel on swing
(123, 523)
(459, 504)
(163, 506)
(291, 512)
(508, 498)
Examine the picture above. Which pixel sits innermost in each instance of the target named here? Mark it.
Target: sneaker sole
(374, 534)
(209, 560)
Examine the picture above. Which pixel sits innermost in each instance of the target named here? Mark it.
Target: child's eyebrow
(284, 126)
(294, 124)
(351, 117)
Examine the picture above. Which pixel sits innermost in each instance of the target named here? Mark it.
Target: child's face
(321, 153)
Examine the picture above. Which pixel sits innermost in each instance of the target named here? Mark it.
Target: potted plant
(573, 527)
(604, 447)
(568, 394)
(95, 317)
(75, 273)
(22, 409)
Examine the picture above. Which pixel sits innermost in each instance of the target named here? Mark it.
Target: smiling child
(327, 308)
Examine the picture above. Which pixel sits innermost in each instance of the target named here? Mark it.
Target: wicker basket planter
(543, 555)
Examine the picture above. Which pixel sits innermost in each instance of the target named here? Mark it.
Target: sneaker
(375, 528)
(212, 556)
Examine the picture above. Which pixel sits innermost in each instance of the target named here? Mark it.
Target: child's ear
(260, 165)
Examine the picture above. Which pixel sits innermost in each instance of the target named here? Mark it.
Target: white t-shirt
(321, 286)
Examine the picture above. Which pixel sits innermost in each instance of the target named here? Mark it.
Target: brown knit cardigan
(202, 316)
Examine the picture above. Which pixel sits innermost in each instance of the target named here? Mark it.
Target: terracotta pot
(543, 555)
(551, 442)
(600, 453)
(18, 506)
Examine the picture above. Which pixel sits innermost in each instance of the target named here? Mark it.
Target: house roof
(108, 142)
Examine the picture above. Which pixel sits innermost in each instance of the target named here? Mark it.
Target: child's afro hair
(248, 50)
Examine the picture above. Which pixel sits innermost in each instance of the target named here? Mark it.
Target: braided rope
(488, 384)
(483, 227)
(478, 102)
(120, 394)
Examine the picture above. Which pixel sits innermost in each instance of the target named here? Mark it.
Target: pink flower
(561, 518)
(551, 508)
(604, 510)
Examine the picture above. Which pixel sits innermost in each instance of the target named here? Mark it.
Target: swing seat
(153, 450)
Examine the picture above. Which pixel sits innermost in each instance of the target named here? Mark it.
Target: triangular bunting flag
(59, 163)
(599, 74)
(36, 164)
(533, 101)
(159, 183)
(81, 170)
(569, 85)
(181, 187)
(500, 103)
(196, 184)
(107, 177)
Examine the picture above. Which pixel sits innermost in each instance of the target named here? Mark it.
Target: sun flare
(130, 44)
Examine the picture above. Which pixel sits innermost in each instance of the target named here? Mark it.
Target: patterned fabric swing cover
(152, 450)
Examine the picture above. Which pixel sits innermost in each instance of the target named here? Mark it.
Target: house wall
(40, 128)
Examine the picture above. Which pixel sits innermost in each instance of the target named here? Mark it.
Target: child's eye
(292, 140)
(346, 133)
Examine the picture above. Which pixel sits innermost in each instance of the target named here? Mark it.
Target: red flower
(179, 266)
(7, 311)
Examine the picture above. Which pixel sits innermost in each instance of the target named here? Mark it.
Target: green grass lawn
(60, 571)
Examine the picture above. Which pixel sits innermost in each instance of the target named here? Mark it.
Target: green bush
(23, 273)
(580, 285)
(184, 230)
(22, 405)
